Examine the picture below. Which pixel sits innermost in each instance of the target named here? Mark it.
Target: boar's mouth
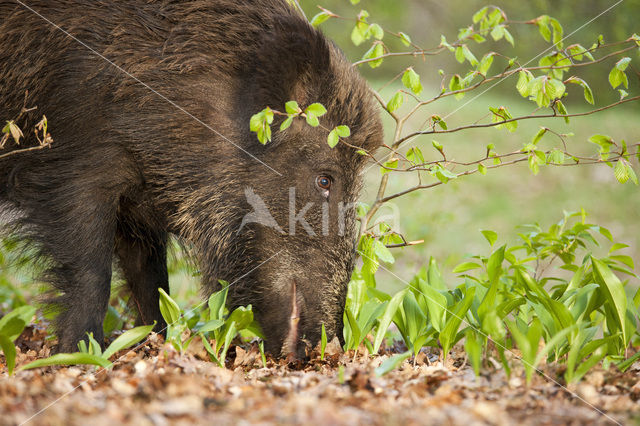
(290, 347)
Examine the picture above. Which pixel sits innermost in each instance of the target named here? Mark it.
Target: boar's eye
(323, 183)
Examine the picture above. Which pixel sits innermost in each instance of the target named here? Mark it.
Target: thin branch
(18, 151)
(525, 117)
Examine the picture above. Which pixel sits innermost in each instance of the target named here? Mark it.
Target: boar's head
(291, 248)
(310, 225)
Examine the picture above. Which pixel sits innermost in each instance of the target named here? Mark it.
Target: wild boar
(149, 104)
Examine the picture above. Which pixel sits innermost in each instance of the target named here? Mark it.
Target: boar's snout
(292, 326)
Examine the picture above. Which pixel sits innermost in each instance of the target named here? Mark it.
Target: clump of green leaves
(11, 326)
(260, 122)
(91, 353)
(577, 314)
(222, 326)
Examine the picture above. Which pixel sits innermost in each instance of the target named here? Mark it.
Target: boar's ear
(291, 62)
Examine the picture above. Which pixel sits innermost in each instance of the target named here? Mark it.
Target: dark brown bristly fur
(128, 168)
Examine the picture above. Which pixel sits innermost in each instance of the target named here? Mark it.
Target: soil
(156, 385)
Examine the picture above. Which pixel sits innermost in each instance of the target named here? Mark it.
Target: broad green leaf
(448, 334)
(434, 276)
(391, 363)
(333, 138)
(539, 135)
(588, 94)
(614, 292)
(465, 266)
(485, 63)
(382, 252)
(211, 325)
(406, 40)
(312, 120)
(69, 359)
(12, 324)
(286, 123)
(376, 31)
(316, 109)
(396, 101)
(436, 304)
(323, 343)
(320, 18)
(473, 347)
(128, 338)
(376, 51)
(491, 236)
(217, 302)
(168, 307)
(385, 320)
(292, 107)
(9, 351)
(411, 80)
(343, 131)
(479, 15)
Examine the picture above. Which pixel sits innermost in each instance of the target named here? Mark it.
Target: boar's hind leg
(143, 260)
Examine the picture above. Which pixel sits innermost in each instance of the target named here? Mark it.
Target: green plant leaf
(613, 291)
(13, 323)
(9, 351)
(333, 138)
(168, 307)
(69, 359)
(316, 109)
(217, 302)
(211, 325)
(411, 80)
(491, 236)
(385, 320)
(320, 18)
(448, 334)
(395, 102)
(323, 343)
(128, 338)
(391, 363)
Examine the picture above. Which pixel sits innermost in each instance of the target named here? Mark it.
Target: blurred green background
(449, 217)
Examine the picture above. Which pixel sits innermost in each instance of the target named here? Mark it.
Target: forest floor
(156, 385)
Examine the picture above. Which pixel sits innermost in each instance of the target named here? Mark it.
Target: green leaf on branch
(406, 40)
(479, 15)
(320, 18)
(411, 80)
(624, 172)
(260, 123)
(524, 77)
(414, 155)
(376, 51)
(337, 133)
(292, 107)
(502, 114)
(360, 31)
(485, 63)
(588, 94)
(396, 101)
(617, 75)
(389, 165)
(539, 135)
(312, 112)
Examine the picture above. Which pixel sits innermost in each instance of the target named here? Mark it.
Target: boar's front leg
(142, 254)
(80, 241)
